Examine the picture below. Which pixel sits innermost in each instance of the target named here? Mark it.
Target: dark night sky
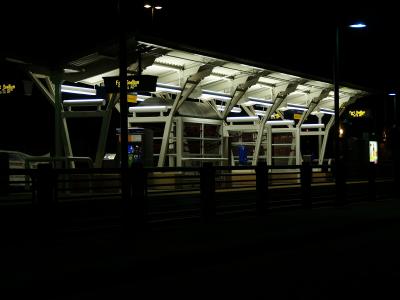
(298, 36)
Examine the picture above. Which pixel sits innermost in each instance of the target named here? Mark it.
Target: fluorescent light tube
(280, 122)
(155, 108)
(312, 125)
(84, 102)
(215, 95)
(162, 87)
(242, 119)
(78, 90)
(234, 109)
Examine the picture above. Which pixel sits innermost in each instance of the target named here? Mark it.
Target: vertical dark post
(305, 179)
(262, 201)
(4, 174)
(57, 115)
(135, 208)
(123, 65)
(338, 163)
(340, 173)
(372, 182)
(46, 198)
(207, 192)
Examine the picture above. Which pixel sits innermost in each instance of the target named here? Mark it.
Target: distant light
(392, 94)
(158, 7)
(147, 6)
(358, 25)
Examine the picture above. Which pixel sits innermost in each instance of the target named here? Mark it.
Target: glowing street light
(153, 5)
(336, 135)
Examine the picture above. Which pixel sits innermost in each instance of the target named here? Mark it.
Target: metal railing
(156, 195)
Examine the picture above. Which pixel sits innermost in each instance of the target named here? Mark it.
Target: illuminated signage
(373, 152)
(142, 83)
(7, 88)
(275, 116)
(357, 113)
(297, 116)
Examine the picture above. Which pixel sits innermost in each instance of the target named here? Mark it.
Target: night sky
(296, 36)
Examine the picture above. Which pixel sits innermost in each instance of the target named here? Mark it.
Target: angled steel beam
(240, 90)
(190, 84)
(281, 93)
(105, 125)
(49, 93)
(314, 102)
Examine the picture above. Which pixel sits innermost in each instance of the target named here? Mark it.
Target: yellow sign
(7, 88)
(275, 116)
(297, 116)
(357, 113)
(131, 84)
(132, 98)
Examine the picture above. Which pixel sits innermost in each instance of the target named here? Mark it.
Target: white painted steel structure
(261, 95)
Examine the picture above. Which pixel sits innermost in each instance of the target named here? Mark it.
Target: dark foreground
(326, 253)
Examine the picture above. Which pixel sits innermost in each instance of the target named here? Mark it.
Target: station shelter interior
(204, 108)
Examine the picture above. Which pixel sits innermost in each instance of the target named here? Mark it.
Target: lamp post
(395, 140)
(339, 180)
(153, 5)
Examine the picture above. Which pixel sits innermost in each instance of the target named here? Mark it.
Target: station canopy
(227, 85)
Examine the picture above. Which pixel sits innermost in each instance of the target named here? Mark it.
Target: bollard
(340, 173)
(372, 182)
(134, 210)
(4, 174)
(207, 192)
(46, 200)
(262, 200)
(305, 179)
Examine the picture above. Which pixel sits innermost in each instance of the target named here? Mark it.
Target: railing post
(4, 174)
(341, 197)
(134, 211)
(262, 200)
(305, 179)
(372, 181)
(207, 192)
(46, 198)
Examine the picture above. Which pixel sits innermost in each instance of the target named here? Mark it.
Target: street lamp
(338, 175)
(153, 5)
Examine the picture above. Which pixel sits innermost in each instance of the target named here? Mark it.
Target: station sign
(138, 83)
(8, 87)
(358, 113)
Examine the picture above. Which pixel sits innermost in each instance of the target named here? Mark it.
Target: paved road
(326, 253)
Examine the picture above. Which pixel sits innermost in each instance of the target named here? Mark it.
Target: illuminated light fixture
(327, 111)
(260, 112)
(358, 25)
(84, 102)
(258, 101)
(70, 71)
(292, 107)
(162, 87)
(341, 132)
(242, 119)
(215, 95)
(312, 126)
(234, 109)
(147, 5)
(158, 7)
(141, 98)
(280, 122)
(78, 90)
(296, 107)
(392, 94)
(155, 108)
